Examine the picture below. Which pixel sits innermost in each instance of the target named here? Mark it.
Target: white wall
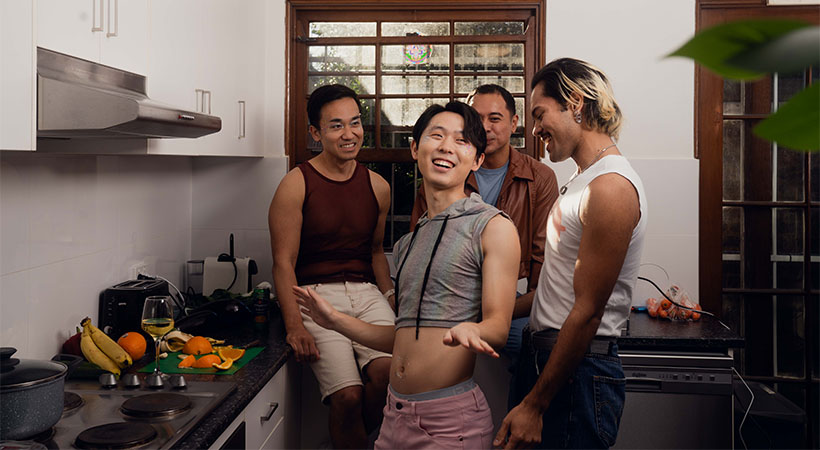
(71, 225)
(628, 40)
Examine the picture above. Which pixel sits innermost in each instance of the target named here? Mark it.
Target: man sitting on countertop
(455, 292)
(327, 223)
(569, 380)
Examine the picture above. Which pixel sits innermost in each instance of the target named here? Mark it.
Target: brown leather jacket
(527, 193)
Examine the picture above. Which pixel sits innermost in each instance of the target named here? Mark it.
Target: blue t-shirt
(490, 181)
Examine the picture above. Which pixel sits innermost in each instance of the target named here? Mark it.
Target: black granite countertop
(249, 380)
(647, 333)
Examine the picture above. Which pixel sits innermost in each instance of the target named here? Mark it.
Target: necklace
(563, 189)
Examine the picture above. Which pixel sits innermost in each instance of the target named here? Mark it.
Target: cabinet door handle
(116, 19)
(200, 100)
(273, 407)
(241, 119)
(208, 93)
(94, 26)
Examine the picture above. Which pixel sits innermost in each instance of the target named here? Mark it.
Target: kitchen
(76, 221)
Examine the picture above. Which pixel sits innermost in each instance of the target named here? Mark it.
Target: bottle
(261, 305)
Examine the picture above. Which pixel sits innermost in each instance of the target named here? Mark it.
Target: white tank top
(555, 296)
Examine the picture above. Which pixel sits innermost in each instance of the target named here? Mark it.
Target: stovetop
(103, 406)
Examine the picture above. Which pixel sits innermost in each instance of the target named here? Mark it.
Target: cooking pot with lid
(31, 393)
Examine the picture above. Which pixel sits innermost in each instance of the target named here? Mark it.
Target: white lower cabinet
(271, 419)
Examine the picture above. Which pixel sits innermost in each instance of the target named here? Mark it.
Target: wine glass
(157, 319)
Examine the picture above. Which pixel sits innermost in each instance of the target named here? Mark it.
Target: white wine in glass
(157, 319)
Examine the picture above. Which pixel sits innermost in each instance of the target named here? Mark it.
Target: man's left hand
(468, 335)
(520, 429)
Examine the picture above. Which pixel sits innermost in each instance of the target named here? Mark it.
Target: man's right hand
(304, 346)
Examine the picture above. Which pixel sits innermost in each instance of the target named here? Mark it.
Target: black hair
(473, 128)
(494, 89)
(324, 95)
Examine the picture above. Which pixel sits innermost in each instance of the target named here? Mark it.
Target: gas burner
(157, 405)
(71, 401)
(116, 435)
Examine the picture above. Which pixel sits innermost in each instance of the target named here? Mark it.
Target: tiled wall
(72, 225)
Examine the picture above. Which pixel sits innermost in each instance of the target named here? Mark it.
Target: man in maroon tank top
(327, 223)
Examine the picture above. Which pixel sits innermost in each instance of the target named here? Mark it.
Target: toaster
(121, 305)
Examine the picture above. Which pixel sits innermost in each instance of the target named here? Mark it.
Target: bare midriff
(427, 364)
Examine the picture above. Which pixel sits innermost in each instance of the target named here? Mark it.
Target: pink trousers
(460, 421)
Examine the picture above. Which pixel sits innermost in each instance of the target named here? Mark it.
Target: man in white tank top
(569, 383)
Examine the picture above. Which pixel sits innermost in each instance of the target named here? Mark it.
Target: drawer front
(266, 410)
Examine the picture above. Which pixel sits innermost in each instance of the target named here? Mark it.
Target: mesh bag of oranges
(665, 309)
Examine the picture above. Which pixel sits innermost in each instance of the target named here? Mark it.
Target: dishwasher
(676, 400)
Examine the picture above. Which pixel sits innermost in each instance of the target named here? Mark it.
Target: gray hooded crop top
(442, 258)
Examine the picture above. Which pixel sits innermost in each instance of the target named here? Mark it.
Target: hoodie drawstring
(427, 272)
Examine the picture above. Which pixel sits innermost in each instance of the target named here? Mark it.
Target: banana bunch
(101, 350)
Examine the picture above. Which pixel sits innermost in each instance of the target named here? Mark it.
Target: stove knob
(154, 381)
(178, 381)
(130, 380)
(108, 380)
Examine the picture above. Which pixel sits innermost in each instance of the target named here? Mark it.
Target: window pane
(398, 117)
(731, 273)
(732, 218)
(488, 28)
(815, 249)
(732, 145)
(791, 336)
(406, 84)
(788, 85)
(814, 168)
(420, 58)
(759, 334)
(342, 58)
(489, 57)
(789, 232)
(466, 84)
(732, 97)
(790, 174)
(342, 29)
(361, 84)
(789, 275)
(416, 28)
(757, 162)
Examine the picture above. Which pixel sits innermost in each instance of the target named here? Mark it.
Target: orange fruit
(207, 361)
(666, 304)
(133, 343)
(225, 365)
(187, 362)
(230, 353)
(663, 314)
(197, 345)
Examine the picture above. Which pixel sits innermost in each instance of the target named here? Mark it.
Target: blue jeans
(513, 346)
(586, 412)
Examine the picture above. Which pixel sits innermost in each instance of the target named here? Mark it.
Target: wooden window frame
(709, 117)
(421, 10)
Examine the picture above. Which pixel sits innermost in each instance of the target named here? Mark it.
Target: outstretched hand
(315, 306)
(468, 335)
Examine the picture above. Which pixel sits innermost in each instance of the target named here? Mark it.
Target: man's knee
(378, 372)
(346, 398)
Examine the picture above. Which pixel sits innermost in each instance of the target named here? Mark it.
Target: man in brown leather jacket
(515, 183)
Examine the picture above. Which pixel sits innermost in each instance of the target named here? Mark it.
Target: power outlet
(136, 269)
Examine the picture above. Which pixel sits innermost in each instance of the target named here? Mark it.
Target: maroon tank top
(338, 221)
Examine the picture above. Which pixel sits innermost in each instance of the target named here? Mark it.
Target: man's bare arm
(285, 224)
(381, 269)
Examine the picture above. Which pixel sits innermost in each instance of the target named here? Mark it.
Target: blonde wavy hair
(566, 76)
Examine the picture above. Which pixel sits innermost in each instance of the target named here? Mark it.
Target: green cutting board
(169, 364)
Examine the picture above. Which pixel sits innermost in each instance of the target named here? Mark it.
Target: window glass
(791, 341)
(416, 58)
(488, 28)
(465, 84)
(342, 58)
(416, 28)
(408, 84)
(732, 148)
(489, 57)
(362, 84)
(342, 29)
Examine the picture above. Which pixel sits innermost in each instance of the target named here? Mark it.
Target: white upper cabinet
(208, 56)
(110, 32)
(17, 66)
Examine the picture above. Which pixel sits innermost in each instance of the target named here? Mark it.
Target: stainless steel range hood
(81, 99)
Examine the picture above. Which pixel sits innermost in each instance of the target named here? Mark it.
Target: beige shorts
(340, 359)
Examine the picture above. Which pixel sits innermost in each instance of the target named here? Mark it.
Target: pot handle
(72, 361)
(6, 361)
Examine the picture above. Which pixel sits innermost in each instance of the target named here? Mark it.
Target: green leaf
(715, 46)
(796, 124)
(789, 53)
